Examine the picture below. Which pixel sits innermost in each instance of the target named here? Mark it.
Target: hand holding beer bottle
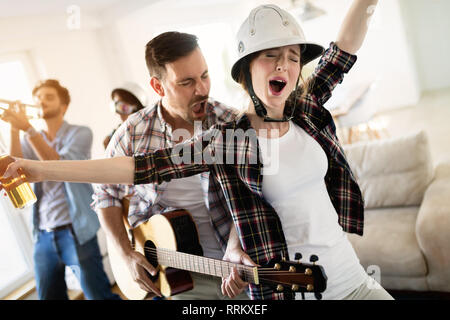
(16, 185)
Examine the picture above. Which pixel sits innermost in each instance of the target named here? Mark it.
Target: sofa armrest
(433, 229)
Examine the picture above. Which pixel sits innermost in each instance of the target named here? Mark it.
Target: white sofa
(407, 217)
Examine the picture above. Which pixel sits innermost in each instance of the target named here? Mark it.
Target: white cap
(269, 26)
(135, 89)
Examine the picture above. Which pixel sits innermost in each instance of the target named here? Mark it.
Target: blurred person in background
(64, 226)
(126, 99)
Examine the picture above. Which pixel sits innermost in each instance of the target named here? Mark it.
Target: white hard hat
(135, 89)
(269, 26)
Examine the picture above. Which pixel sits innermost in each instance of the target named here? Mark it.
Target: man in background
(64, 225)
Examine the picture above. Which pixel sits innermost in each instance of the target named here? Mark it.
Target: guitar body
(170, 243)
(174, 230)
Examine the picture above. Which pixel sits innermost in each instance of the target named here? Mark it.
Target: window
(16, 263)
(16, 77)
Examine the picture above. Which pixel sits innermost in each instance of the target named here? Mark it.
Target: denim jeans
(54, 251)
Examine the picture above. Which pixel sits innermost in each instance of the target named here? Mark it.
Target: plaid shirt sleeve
(183, 160)
(330, 71)
(110, 195)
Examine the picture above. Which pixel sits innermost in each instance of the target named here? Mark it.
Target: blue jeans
(54, 251)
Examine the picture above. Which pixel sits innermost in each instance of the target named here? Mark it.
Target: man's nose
(202, 88)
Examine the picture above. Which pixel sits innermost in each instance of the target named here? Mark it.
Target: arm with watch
(39, 145)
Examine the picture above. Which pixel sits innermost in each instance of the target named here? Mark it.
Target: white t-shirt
(293, 183)
(189, 192)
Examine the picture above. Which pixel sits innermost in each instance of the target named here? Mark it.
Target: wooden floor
(78, 294)
(116, 290)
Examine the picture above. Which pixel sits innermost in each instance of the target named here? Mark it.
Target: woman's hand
(31, 168)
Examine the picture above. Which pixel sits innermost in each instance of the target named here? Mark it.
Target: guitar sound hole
(150, 254)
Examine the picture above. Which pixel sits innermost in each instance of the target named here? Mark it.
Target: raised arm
(354, 27)
(19, 121)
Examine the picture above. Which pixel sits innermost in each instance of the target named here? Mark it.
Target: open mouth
(276, 86)
(199, 107)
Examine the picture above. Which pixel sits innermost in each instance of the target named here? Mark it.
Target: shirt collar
(59, 133)
(159, 113)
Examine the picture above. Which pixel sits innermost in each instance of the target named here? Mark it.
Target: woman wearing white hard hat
(126, 99)
(302, 199)
(308, 182)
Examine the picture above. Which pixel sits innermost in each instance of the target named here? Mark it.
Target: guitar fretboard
(214, 267)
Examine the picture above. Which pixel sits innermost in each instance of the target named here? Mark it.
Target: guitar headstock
(294, 276)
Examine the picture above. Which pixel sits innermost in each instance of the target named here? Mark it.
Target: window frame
(17, 218)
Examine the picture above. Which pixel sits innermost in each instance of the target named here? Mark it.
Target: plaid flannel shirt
(146, 131)
(258, 225)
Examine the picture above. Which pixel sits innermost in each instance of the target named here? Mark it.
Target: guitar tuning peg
(313, 258)
(318, 296)
(298, 256)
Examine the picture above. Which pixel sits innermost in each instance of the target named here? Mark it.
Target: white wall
(428, 33)
(132, 32)
(385, 55)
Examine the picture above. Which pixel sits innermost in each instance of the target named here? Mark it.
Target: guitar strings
(248, 270)
(159, 253)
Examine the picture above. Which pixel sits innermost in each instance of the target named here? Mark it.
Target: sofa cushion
(392, 172)
(390, 242)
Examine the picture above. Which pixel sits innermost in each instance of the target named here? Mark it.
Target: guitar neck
(204, 265)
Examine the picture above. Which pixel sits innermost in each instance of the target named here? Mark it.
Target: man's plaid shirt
(258, 225)
(146, 131)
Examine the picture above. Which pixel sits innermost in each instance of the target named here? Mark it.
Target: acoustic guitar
(170, 243)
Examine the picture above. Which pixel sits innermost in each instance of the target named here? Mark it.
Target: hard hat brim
(310, 52)
(135, 90)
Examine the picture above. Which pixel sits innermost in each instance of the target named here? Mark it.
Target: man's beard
(50, 114)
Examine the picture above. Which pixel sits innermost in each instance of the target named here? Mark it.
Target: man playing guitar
(179, 75)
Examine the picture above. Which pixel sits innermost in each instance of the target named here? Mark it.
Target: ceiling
(16, 8)
(20, 8)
